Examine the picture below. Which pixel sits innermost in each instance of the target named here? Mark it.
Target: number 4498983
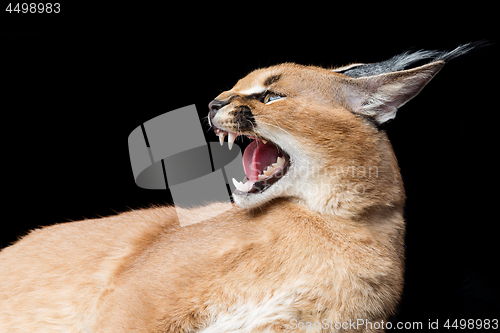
(33, 8)
(471, 324)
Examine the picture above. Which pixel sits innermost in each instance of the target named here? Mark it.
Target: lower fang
(238, 185)
(243, 187)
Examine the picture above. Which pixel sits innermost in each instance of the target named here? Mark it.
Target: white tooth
(221, 138)
(230, 139)
(264, 141)
(269, 171)
(262, 177)
(274, 165)
(248, 185)
(280, 161)
(239, 186)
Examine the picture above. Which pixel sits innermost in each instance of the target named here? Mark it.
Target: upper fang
(221, 138)
(230, 139)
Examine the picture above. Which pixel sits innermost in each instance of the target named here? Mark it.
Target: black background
(74, 86)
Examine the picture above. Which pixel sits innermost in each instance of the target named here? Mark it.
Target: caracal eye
(271, 97)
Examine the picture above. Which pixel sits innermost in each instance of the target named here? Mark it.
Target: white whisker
(277, 124)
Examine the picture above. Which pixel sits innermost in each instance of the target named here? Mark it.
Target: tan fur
(328, 248)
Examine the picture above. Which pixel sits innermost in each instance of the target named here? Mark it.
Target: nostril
(213, 107)
(216, 105)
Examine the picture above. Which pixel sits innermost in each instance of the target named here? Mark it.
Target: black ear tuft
(461, 50)
(404, 60)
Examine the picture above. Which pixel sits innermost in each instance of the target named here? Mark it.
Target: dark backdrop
(75, 85)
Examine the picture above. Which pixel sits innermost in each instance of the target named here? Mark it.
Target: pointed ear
(380, 96)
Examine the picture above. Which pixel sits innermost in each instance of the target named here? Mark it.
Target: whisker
(204, 122)
(277, 125)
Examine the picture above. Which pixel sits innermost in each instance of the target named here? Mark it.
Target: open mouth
(263, 161)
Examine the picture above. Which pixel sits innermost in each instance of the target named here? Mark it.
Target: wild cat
(313, 243)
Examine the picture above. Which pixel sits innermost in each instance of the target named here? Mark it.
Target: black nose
(216, 105)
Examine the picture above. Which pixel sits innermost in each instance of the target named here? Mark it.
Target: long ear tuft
(406, 59)
(378, 90)
(461, 50)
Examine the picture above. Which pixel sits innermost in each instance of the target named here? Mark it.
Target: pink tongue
(257, 157)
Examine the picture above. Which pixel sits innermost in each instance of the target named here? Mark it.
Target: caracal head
(315, 132)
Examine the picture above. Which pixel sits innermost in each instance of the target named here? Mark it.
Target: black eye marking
(272, 79)
(266, 96)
